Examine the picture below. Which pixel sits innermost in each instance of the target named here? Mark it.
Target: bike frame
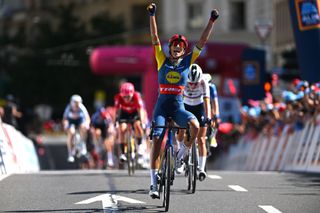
(130, 146)
(166, 173)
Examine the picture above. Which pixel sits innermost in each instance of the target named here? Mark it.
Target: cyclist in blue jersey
(172, 78)
(215, 112)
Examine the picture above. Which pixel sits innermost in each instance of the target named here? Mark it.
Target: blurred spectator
(11, 112)
(297, 104)
(1, 113)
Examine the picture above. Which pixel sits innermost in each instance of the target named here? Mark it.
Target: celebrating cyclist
(172, 78)
(197, 101)
(75, 116)
(128, 104)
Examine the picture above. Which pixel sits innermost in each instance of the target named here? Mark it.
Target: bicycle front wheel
(129, 156)
(167, 178)
(192, 168)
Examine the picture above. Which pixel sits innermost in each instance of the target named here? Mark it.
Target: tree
(54, 64)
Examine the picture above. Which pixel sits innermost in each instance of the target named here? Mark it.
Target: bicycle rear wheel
(167, 178)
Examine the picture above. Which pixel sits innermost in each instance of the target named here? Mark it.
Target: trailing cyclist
(104, 134)
(129, 106)
(197, 101)
(172, 78)
(75, 116)
(215, 112)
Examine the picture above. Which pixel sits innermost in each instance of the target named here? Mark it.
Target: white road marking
(2, 177)
(237, 188)
(269, 209)
(109, 200)
(214, 176)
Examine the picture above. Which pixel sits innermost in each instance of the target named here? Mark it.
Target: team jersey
(193, 95)
(101, 118)
(132, 106)
(172, 78)
(213, 91)
(80, 114)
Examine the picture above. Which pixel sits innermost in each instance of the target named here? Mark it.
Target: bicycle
(166, 173)
(192, 165)
(79, 148)
(130, 148)
(191, 168)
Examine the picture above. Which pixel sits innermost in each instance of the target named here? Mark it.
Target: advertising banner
(305, 16)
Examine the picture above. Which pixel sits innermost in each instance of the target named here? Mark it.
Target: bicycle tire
(194, 168)
(191, 170)
(129, 159)
(132, 157)
(167, 179)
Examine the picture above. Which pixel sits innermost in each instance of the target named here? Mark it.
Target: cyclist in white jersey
(75, 116)
(196, 98)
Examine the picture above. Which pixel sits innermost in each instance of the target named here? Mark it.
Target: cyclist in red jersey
(172, 78)
(129, 106)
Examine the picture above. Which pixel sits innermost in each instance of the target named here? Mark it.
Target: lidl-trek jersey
(172, 79)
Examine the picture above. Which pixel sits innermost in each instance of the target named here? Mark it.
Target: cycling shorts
(76, 122)
(170, 106)
(198, 111)
(103, 128)
(128, 116)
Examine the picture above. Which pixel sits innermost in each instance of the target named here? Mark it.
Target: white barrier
(17, 152)
(289, 151)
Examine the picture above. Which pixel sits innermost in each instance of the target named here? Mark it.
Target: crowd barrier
(289, 151)
(17, 152)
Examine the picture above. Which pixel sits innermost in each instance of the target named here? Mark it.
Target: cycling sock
(110, 157)
(202, 162)
(181, 153)
(153, 176)
(179, 143)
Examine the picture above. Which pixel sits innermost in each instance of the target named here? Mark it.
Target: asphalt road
(115, 191)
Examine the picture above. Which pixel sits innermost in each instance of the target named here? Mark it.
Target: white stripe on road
(269, 209)
(237, 188)
(2, 177)
(214, 176)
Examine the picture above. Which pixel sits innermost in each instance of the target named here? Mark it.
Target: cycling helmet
(127, 89)
(207, 77)
(179, 38)
(76, 98)
(195, 73)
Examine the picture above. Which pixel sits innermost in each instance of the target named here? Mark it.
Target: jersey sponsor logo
(171, 89)
(173, 77)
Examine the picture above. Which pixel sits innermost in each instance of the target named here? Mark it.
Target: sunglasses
(126, 97)
(180, 43)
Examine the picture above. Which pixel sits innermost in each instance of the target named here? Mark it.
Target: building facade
(238, 23)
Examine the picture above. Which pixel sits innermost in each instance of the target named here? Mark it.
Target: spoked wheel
(129, 156)
(191, 171)
(167, 179)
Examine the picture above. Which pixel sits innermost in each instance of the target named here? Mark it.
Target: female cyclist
(172, 77)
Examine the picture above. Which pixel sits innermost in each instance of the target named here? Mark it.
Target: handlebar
(169, 125)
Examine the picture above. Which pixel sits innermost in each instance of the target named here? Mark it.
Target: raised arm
(153, 24)
(207, 31)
